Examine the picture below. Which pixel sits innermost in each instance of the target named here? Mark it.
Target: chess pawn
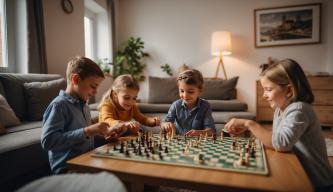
(222, 136)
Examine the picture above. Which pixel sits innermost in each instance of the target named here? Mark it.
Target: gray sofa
(221, 94)
(22, 158)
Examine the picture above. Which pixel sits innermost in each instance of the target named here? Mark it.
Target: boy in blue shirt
(190, 115)
(66, 122)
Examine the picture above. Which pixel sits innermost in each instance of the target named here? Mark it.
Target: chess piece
(214, 138)
(160, 155)
(127, 153)
(222, 136)
(166, 149)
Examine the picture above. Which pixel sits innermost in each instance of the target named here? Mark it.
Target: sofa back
(12, 88)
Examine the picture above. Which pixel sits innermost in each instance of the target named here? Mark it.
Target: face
(188, 93)
(276, 95)
(127, 98)
(86, 88)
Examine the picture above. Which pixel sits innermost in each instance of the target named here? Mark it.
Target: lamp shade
(221, 43)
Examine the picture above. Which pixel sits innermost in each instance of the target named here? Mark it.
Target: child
(295, 125)
(66, 132)
(118, 107)
(192, 115)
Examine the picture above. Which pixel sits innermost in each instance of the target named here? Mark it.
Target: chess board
(216, 154)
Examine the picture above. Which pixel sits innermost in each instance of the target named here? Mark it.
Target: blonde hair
(287, 72)
(84, 67)
(191, 77)
(121, 83)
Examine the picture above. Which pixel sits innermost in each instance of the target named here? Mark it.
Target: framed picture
(291, 25)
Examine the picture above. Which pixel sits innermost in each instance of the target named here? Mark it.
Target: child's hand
(235, 126)
(194, 132)
(134, 126)
(168, 127)
(116, 131)
(97, 129)
(157, 121)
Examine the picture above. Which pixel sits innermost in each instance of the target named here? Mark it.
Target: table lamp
(221, 45)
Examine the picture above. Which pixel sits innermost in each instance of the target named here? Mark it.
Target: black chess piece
(127, 153)
(114, 147)
(121, 147)
(214, 138)
(160, 147)
(160, 155)
(166, 149)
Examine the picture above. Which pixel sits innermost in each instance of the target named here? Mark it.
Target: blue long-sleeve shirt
(62, 134)
(198, 118)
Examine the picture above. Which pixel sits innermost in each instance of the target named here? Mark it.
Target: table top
(286, 174)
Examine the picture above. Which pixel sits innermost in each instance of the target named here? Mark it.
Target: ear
(289, 91)
(75, 79)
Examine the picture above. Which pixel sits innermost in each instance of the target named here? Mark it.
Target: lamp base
(220, 63)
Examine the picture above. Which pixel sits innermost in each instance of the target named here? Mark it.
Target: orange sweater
(112, 115)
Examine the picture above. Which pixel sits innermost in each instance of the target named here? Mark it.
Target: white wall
(64, 34)
(179, 31)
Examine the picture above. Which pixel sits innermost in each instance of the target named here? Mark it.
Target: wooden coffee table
(286, 174)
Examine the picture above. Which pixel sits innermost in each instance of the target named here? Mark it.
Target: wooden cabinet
(322, 88)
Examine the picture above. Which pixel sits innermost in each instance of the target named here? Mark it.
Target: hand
(97, 129)
(116, 131)
(194, 132)
(235, 126)
(157, 121)
(168, 127)
(134, 126)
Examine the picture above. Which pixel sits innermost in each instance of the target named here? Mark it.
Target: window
(96, 31)
(2, 35)
(13, 38)
(88, 37)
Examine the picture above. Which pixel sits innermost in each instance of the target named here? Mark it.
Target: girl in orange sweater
(118, 108)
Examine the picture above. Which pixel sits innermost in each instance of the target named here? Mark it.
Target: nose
(264, 95)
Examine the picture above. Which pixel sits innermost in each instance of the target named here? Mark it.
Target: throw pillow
(162, 90)
(38, 96)
(7, 117)
(2, 130)
(219, 89)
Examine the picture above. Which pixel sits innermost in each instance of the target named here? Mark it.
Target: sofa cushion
(17, 140)
(14, 92)
(227, 105)
(25, 125)
(39, 95)
(162, 90)
(7, 117)
(223, 117)
(153, 108)
(220, 89)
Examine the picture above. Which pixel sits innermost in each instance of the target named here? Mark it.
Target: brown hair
(84, 67)
(191, 77)
(122, 82)
(286, 72)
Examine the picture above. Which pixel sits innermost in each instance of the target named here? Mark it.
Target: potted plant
(128, 59)
(167, 69)
(105, 65)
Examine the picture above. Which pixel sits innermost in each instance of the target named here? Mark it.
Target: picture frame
(288, 25)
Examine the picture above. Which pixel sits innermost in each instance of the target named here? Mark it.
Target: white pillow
(7, 117)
